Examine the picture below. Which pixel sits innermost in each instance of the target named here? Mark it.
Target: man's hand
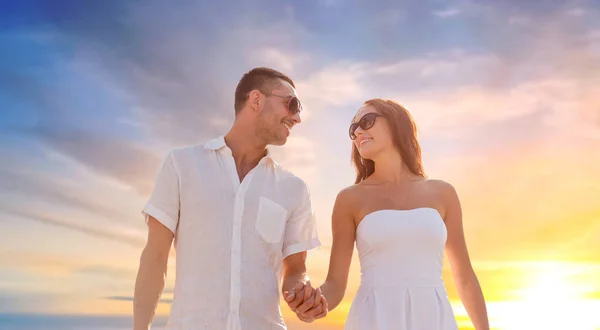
(307, 303)
(313, 308)
(300, 293)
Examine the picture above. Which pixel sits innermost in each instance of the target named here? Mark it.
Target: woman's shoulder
(441, 191)
(439, 185)
(350, 194)
(349, 191)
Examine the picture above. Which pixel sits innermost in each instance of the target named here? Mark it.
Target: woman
(401, 223)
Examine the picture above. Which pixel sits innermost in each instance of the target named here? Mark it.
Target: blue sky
(93, 94)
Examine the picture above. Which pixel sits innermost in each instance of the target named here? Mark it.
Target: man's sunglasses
(293, 103)
(367, 121)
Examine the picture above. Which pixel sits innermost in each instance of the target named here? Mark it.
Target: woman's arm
(344, 231)
(465, 279)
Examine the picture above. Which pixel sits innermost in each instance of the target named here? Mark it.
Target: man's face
(275, 121)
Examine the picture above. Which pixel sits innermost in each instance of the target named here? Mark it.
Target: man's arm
(295, 277)
(297, 289)
(151, 275)
(300, 236)
(344, 232)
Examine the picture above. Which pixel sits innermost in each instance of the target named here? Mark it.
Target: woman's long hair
(404, 136)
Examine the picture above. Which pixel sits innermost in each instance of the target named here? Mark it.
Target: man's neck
(246, 149)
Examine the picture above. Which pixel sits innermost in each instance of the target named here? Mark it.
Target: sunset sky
(506, 95)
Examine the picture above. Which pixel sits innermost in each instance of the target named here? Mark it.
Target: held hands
(308, 304)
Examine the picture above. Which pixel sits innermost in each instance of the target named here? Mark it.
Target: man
(239, 220)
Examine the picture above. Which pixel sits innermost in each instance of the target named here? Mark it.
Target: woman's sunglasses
(367, 121)
(293, 103)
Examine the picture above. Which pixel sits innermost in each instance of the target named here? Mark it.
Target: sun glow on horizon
(552, 299)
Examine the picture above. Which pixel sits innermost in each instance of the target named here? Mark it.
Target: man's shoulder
(201, 145)
(291, 181)
(288, 174)
(186, 149)
(186, 153)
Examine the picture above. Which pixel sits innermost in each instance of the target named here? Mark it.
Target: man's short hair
(263, 79)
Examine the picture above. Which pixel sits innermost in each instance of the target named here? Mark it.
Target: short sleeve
(301, 229)
(163, 203)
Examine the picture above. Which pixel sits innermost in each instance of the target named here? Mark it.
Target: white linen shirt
(230, 236)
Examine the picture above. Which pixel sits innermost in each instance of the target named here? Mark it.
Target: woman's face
(371, 132)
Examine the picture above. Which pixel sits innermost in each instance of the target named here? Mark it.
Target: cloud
(447, 12)
(278, 58)
(46, 263)
(181, 75)
(389, 18)
(57, 122)
(45, 272)
(121, 235)
(13, 302)
(455, 88)
(174, 85)
(129, 298)
(330, 3)
(519, 20)
(473, 106)
(298, 156)
(31, 266)
(334, 86)
(110, 272)
(442, 92)
(179, 97)
(469, 106)
(576, 12)
(53, 189)
(123, 160)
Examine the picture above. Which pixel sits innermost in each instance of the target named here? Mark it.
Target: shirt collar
(218, 143)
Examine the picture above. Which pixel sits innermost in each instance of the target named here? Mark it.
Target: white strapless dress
(401, 254)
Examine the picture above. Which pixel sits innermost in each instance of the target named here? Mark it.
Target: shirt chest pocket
(270, 221)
